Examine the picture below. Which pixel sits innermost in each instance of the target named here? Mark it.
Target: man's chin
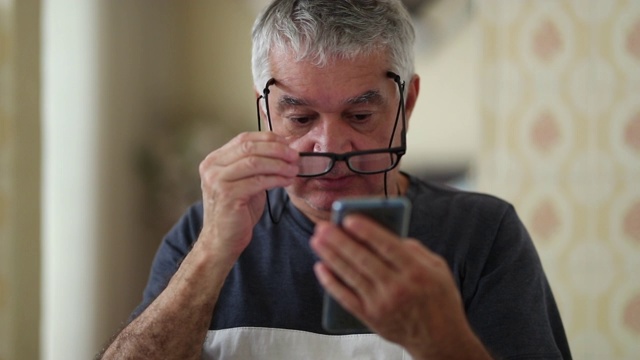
(321, 202)
(314, 196)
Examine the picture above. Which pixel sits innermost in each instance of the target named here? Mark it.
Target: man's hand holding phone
(393, 215)
(399, 289)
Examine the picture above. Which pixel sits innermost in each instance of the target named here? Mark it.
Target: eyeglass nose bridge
(339, 157)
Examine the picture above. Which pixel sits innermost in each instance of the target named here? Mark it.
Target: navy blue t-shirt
(506, 296)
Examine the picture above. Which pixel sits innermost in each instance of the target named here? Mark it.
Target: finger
(241, 181)
(250, 162)
(435, 263)
(249, 174)
(383, 242)
(341, 293)
(249, 187)
(256, 166)
(352, 262)
(254, 144)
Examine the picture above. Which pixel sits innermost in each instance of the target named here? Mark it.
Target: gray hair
(321, 30)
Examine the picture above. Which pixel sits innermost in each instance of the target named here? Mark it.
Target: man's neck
(395, 188)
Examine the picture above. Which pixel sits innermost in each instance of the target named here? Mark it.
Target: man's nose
(333, 135)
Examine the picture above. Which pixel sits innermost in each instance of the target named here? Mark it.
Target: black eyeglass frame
(398, 151)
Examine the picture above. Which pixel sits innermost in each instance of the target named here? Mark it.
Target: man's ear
(413, 88)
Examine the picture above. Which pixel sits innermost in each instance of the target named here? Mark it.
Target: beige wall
(560, 139)
(108, 77)
(125, 82)
(442, 136)
(19, 179)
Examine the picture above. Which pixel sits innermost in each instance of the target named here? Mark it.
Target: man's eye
(300, 120)
(361, 117)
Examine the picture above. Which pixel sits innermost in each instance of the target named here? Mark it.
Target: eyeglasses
(365, 162)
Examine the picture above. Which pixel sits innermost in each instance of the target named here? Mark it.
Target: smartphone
(393, 214)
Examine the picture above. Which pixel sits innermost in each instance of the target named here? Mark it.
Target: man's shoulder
(438, 196)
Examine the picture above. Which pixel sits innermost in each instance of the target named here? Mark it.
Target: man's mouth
(334, 181)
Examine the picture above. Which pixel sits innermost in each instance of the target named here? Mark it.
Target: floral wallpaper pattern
(561, 141)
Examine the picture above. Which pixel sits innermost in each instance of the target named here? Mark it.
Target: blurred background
(107, 107)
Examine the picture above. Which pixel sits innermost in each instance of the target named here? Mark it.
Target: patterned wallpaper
(561, 140)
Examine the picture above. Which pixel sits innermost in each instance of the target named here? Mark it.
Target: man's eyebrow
(369, 97)
(289, 101)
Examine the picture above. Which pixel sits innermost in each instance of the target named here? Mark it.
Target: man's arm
(233, 179)
(176, 323)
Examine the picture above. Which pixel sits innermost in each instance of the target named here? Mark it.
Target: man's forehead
(286, 67)
(340, 81)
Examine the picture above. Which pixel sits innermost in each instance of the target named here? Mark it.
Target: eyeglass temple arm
(265, 95)
(403, 133)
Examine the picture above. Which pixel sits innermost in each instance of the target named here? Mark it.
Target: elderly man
(243, 273)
